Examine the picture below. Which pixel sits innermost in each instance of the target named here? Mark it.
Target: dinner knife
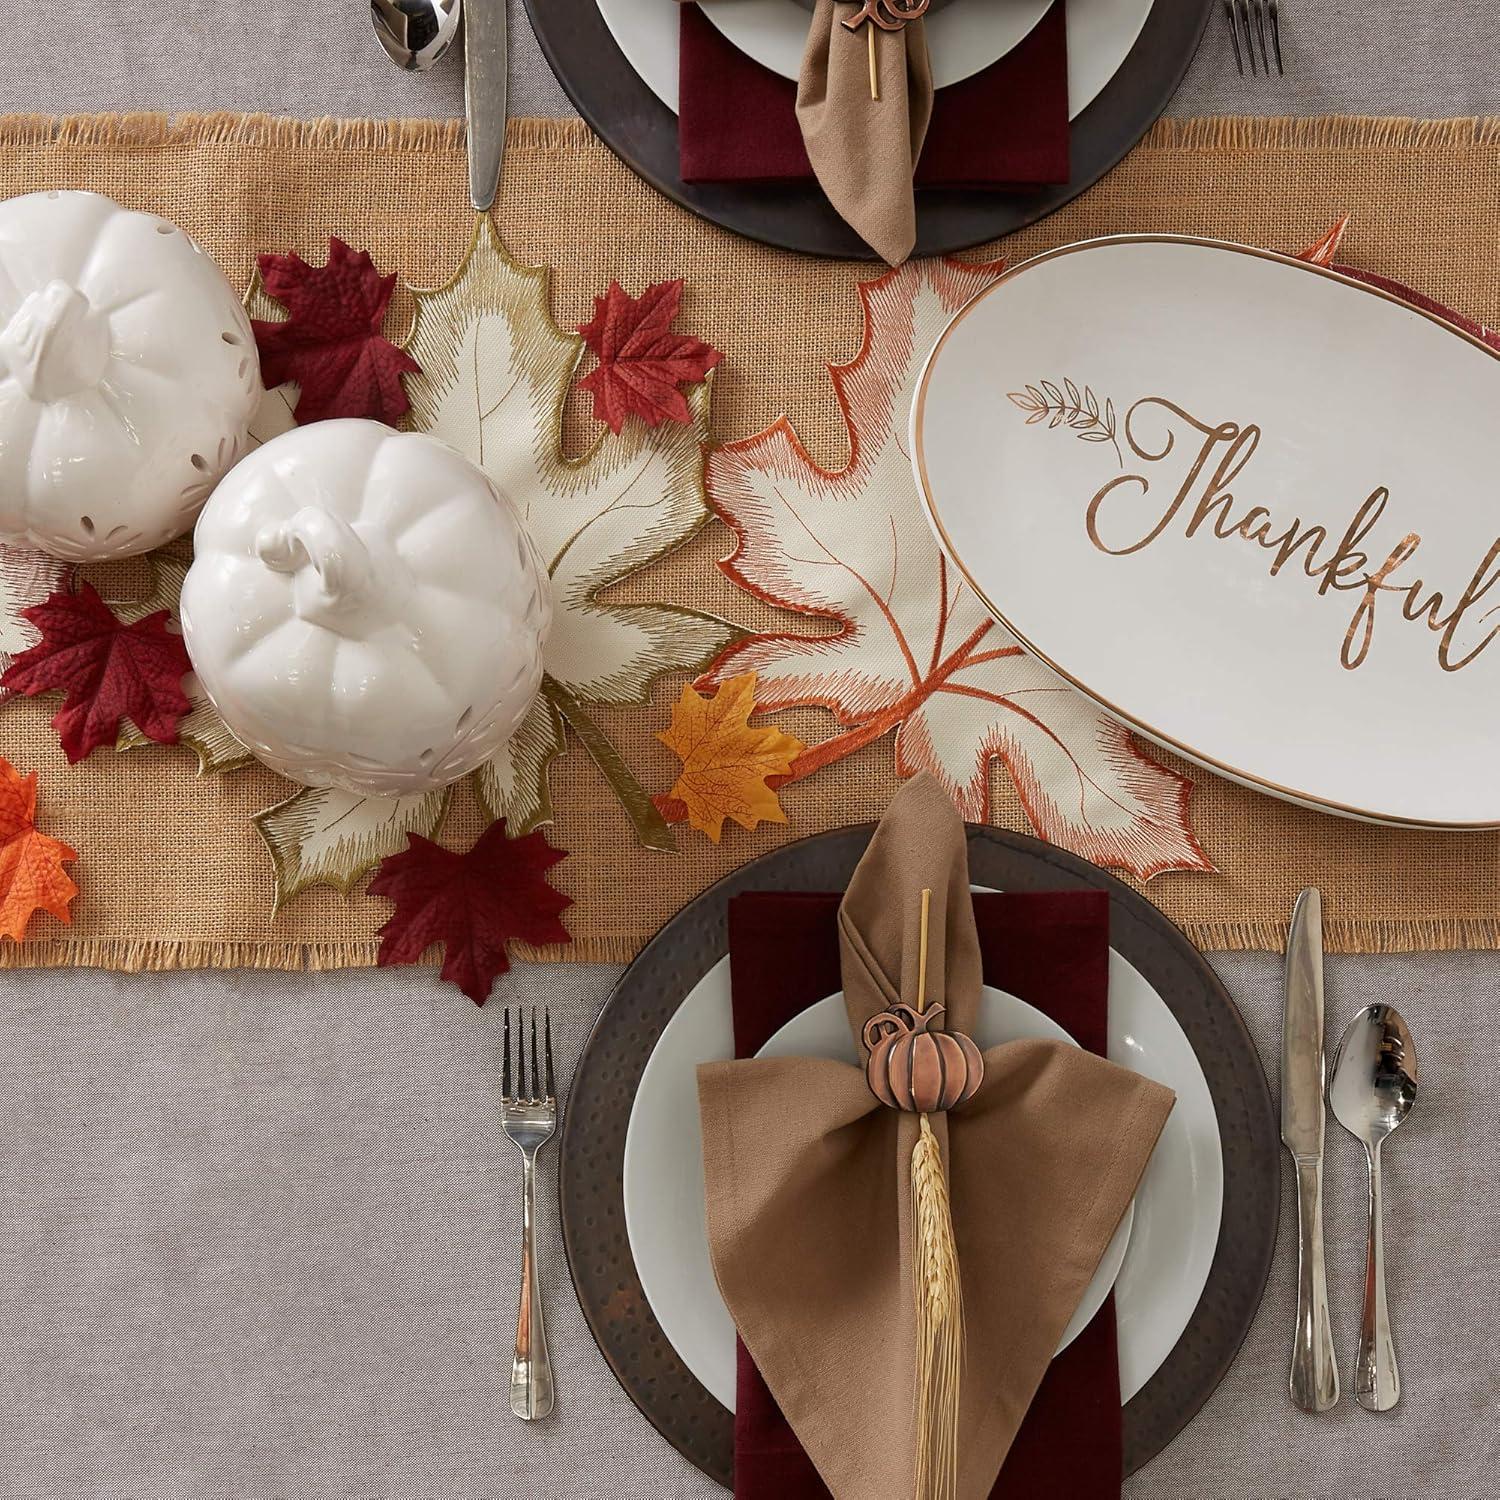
(484, 96)
(1314, 1379)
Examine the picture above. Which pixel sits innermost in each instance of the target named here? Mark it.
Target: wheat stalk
(939, 1297)
(1067, 406)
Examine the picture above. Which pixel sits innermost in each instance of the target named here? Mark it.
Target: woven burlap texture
(171, 870)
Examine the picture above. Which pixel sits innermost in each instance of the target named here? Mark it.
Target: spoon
(416, 33)
(1373, 1088)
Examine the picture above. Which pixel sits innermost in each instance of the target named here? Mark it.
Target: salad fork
(528, 1116)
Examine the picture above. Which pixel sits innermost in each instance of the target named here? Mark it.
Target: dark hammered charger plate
(648, 995)
(642, 131)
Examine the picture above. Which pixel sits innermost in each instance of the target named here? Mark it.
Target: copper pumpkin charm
(913, 1067)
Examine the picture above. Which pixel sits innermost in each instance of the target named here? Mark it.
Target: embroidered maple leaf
(496, 373)
(26, 578)
(32, 877)
(642, 363)
(915, 652)
(725, 759)
(330, 343)
(474, 903)
(109, 670)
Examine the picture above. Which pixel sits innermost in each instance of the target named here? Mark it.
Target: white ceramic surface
(962, 39)
(1100, 36)
(365, 609)
(1172, 1237)
(128, 376)
(1241, 553)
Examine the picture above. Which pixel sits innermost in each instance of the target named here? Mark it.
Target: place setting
(841, 740)
(766, 116)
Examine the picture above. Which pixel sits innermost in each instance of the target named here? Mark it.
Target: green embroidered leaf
(325, 836)
(496, 371)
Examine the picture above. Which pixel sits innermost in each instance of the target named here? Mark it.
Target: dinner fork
(1256, 19)
(528, 1116)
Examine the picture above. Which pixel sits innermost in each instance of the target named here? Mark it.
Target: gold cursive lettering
(1127, 514)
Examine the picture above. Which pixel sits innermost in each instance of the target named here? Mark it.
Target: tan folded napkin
(809, 1201)
(864, 150)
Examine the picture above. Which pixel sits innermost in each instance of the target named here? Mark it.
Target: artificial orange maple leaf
(32, 877)
(726, 759)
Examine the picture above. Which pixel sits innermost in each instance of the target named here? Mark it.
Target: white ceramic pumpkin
(128, 376)
(365, 609)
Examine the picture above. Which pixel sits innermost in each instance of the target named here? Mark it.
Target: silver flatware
(1373, 1088)
(416, 33)
(1314, 1381)
(528, 1116)
(1255, 20)
(484, 96)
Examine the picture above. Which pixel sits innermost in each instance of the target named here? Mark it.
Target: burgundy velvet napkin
(1006, 127)
(1051, 950)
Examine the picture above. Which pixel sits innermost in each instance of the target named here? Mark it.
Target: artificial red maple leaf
(641, 361)
(474, 903)
(109, 671)
(331, 343)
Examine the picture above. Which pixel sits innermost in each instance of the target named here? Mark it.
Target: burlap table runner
(171, 870)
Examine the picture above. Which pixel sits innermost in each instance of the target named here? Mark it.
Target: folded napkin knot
(888, 15)
(914, 1067)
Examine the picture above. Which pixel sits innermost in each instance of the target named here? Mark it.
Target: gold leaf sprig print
(1069, 407)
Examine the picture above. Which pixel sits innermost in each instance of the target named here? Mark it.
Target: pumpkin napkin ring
(910, 1065)
(913, 1067)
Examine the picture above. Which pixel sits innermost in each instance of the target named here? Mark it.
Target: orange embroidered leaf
(726, 759)
(32, 877)
(1323, 249)
(914, 655)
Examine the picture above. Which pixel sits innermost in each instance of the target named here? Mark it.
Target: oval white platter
(1245, 504)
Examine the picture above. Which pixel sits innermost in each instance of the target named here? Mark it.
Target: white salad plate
(1100, 36)
(1242, 502)
(963, 38)
(1158, 1275)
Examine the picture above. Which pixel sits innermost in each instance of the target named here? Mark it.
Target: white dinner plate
(1176, 1215)
(963, 39)
(1100, 36)
(1245, 504)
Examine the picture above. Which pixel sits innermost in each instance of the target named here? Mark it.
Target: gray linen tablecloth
(258, 1231)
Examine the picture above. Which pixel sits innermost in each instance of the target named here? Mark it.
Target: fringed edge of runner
(274, 132)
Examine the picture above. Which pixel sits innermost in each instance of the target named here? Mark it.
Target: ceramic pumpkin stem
(343, 565)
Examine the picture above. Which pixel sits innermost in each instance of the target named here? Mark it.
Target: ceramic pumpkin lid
(365, 609)
(128, 376)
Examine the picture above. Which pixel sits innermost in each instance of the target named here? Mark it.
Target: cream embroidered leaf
(325, 836)
(914, 651)
(26, 578)
(496, 371)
